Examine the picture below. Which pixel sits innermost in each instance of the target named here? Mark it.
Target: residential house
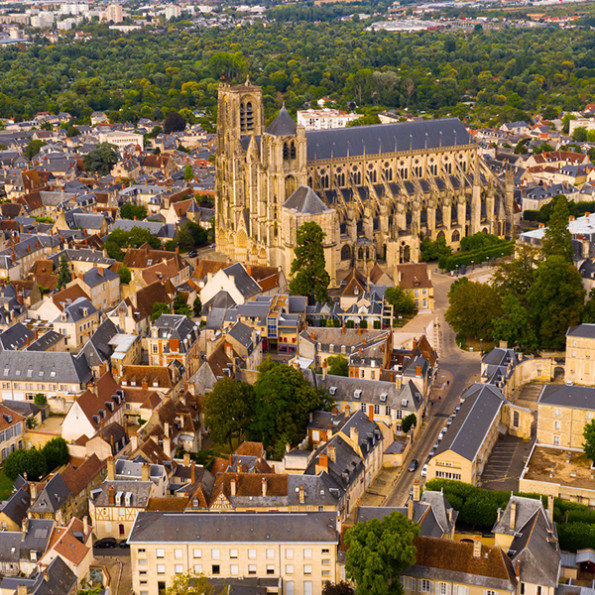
(14, 509)
(580, 354)
(102, 285)
(77, 322)
(12, 429)
(234, 280)
(300, 548)
(140, 259)
(416, 280)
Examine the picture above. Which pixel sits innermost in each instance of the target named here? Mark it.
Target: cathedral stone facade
(376, 191)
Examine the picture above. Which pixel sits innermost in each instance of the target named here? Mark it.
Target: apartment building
(300, 549)
(12, 427)
(580, 354)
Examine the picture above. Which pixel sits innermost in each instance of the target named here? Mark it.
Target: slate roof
(140, 492)
(269, 527)
(244, 283)
(52, 497)
(98, 348)
(585, 331)
(15, 508)
(466, 434)
(305, 200)
(282, 125)
(386, 138)
(577, 397)
(78, 310)
(61, 579)
(46, 341)
(242, 333)
(64, 367)
(15, 336)
(177, 326)
(10, 546)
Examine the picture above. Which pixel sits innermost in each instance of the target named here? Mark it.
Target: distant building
(580, 354)
(323, 119)
(113, 13)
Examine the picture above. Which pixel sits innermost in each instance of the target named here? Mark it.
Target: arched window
(346, 252)
(285, 151)
(292, 151)
(456, 236)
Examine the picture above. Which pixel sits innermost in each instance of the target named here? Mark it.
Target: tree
(472, 308)
(589, 443)
(378, 552)
(181, 305)
(338, 365)
(56, 453)
(101, 159)
(197, 306)
(308, 267)
(174, 122)
(188, 173)
(283, 400)
(514, 326)
(579, 134)
(229, 410)
(158, 309)
(190, 584)
(557, 239)
(556, 301)
(401, 300)
(515, 276)
(433, 250)
(125, 274)
(409, 422)
(342, 588)
(40, 399)
(130, 211)
(191, 235)
(64, 274)
(32, 462)
(33, 147)
(589, 311)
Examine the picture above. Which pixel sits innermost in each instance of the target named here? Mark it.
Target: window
(197, 553)
(215, 569)
(160, 553)
(289, 554)
(556, 440)
(233, 553)
(557, 413)
(408, 583)
(307, 568)
(198, 569)
(387, 410)
(251, 568)
(460, 590)
(179, 568)
(522, 588)
(538, 589)
(160, 568)
(377, 409)
(215, 554)
(252, 554)
(142, 562)
(288, 568)
(289, 588)
(442, 589)
(178, 554)
(489, 592)
(270, 554)
(556, 425)
(234, 570)
(307, 554)
(270, 569)
(425, 586)
(307, 587)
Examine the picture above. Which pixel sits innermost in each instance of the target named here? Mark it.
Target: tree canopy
(338, 365)
(557, 238)
(402, 301)
(64, 274)
(589, 443)
(101, 159)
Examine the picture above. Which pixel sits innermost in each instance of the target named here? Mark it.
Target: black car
(105, 543)
(192, 254)
(124, 544)
(413, 465)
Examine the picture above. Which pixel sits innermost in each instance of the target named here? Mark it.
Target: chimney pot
(477, 547)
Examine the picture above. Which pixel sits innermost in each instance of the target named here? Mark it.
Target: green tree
(557, 239)
(181, 305)
(56, 453)
(402, 301)
(434, 249)
(190, 584)
(130, 211)
(514, 326)
(64, 274)
(191, 235)
(188, 173)
(556, 301)
(310, 277)
(229, 410)
(589, 311)
(33, 147)
(101, 159)
(342, 588)
(197, 307)
(32, 462)
(283, 400)
(410, 421)
(125, 274)
(40, 399)
(579, 134)
(338, 365)
(368, 120)
(515, 277)
(589, 443)
(471, 309)
(158, 309)
(174, 122)
(378, 552)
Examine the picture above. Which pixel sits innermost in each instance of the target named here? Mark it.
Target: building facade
(580, 354)
(381, 188)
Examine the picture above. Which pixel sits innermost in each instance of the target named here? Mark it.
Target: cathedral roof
(282, 125)
(305, 200)
(385, 138)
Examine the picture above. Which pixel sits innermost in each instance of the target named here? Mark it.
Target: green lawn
(6, 486)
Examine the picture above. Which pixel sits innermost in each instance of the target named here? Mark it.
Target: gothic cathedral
(376, 191)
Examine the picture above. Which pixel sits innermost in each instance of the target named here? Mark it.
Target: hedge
(450, 263)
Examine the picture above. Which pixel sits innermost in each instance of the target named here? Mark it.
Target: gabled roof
(576, 397)
(305, 200)
(15, 508)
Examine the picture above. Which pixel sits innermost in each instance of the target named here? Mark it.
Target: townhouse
(580, 354)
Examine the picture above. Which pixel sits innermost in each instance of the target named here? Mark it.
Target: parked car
(192, 254)
(124, 544)
(413, 465)
(105, 543)
(424, 471)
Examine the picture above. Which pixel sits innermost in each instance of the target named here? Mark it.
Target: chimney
(354, 435)
(85, 526)
(322, 464)
(167, 446)
(22, 590)
(550, 509)
(144, 383)
(398, 381)
(418, 370)
(512, 524)
(186, 459)
(477, 547)
(46, 575)
(517, 570)
(174, 345)
(33, 491)
(324, 369)
(166, 429)
(416, 491)
(302, 495)
(264, 486)
(111, 469)
(410, 508)
(25, 526)
(232, 486)
(332, 454)
(111, 492)
(146, 472)
(499, 514)
(193, 472)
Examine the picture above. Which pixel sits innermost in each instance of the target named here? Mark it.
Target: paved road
(458, 368)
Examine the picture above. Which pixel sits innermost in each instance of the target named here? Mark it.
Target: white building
(172, 11)
(323, 119)
(42, 20)
(122, 139)
(114, 14)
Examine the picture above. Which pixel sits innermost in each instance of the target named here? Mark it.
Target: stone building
(376, 190)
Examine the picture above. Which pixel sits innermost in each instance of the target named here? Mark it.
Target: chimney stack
(193, 472)
(264, 486)
(324, 369)
(416, 491)
(332, 453)
(111, 469)
(186, 459)
(111, 493)
(25, 526)
(146, 472)
(302, 495)
(512, 524)
(410, 508)
(233, 486)
(167, 446)
(354, 435)
(550, 509)
(85, 526)
(477, 547)
(322, 464)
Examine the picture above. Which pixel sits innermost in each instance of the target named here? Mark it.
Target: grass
(6, 486)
